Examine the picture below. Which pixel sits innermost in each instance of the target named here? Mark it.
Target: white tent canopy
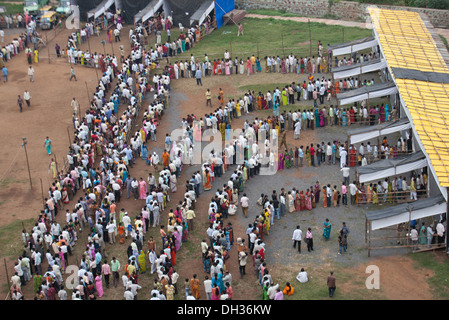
(391, 167)
(352, 46)
(371, 132)
(100, 9)
(419, 209)
(203, 11)
(367, 92)
(359, 68)
(149, 11)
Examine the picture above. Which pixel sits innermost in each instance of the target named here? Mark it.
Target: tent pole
(447, 215)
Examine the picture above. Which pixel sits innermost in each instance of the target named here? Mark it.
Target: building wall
(348, 10)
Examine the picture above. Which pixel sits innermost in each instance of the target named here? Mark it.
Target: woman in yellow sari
(308, 157)
(141, 260)
(267, 215)
(324, 198)
(237, 108)
(52, 168)
(375, 199)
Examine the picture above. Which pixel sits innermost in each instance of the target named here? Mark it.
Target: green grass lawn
(13, 8)
(269, 36)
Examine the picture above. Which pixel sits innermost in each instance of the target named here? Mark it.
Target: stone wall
(347, 10)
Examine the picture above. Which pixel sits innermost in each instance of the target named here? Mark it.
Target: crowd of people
(102, 133)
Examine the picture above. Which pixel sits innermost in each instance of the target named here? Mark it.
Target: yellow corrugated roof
(408, 44)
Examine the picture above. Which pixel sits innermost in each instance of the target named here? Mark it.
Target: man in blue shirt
(5, 74)
(198, 75)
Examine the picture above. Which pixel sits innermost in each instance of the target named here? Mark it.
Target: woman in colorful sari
(283, 68)
(321, 116)
(302, 201)
(141, 261)
(308, 156)
(297, 202)
(142, 189)
(327, 229)
(422, 234)
(312, 195)
(249, 68)
(382, 113)
(387, 112)
(344, 118)
(276, 107)
(258, 66)
(291, 202)
(317, 192)
(169, 291)
(195, 287)
(52, 168)
(309, 197)
(281, 161)
(369, 193)
(375, 199)
(207, 180)
(185, 231)
(237, 109)
(324, 197)
(288, 160)
(284, 97)
(173, 183)
(317, 117)
(144, 152)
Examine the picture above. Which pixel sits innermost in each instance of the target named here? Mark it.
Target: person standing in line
(198, 75)
(331, 284)
(208, 288)
(244, 201)
(5, 74)
(297, 235)
(106, 271)
(115, 268)
(242, 262)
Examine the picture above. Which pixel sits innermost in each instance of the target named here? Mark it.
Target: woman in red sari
(352, 157)
(302, 200)
(207, 180)
(308, 200)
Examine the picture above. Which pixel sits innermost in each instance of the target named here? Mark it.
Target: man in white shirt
(297, 235)
(302, 276)
(244, 201)
(208, 288)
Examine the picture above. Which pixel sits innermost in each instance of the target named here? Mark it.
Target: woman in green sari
(422, 234)
(327, 229)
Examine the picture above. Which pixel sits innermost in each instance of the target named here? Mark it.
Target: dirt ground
(50, 115)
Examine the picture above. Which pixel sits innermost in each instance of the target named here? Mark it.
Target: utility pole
(24, 144)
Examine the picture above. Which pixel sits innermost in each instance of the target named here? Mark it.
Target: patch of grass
(6, 182)
(439, 264)
(279, 37)
(11, 237)
(12, 8)
(272, 12)
(444, 41)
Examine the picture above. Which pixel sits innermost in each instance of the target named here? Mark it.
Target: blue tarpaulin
(222, 7)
